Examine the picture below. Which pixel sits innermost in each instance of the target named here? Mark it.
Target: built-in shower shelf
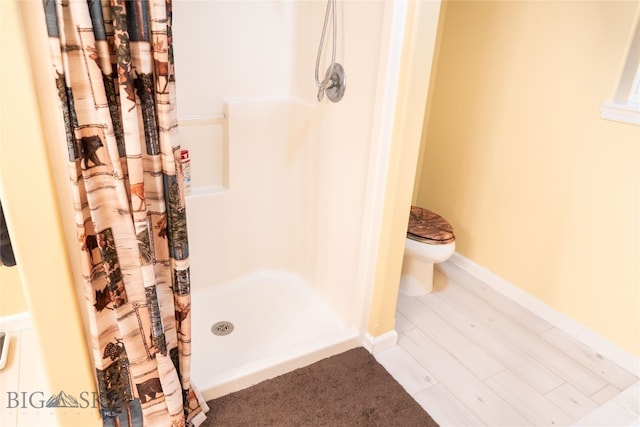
(211, 190)
(202, 119)
(205, 136)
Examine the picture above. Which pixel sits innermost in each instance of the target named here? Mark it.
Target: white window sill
(625, 113)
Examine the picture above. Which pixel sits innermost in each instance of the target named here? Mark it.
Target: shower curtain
(112, 62)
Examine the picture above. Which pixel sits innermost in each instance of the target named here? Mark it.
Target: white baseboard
(15, 322)
(380, 343)
(561, 321)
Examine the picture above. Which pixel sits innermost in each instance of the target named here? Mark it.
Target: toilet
(430, 239)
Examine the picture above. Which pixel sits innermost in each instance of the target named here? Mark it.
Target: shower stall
(278, 212)
(295, 215)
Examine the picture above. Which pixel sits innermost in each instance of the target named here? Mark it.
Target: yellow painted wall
(539, 189)
(11, 296)
(415, 64)
(30, 204)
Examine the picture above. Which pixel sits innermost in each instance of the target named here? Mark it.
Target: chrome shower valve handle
(334, 83)
(322, 87)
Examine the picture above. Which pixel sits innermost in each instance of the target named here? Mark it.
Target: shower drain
(222, 328)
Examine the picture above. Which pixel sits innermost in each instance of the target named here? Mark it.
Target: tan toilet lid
(429, 227)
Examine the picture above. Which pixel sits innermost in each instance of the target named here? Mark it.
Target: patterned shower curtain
(112, 62)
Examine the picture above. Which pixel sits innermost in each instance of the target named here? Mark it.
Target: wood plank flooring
(472, 357)
(466, 353)
(24, 372)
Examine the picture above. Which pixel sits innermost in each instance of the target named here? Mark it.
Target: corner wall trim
(561, 321)
(380, 343)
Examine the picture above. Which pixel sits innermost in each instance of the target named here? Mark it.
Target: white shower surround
(286, 191)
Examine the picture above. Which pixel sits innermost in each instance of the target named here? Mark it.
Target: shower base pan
(258, 327)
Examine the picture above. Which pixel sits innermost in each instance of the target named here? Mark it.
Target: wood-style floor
(467, 354)
(472, 357)
(23, 384)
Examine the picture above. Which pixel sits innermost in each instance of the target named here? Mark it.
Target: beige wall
(539, 189)
(31, 208)
(11, 296)
(417, 49)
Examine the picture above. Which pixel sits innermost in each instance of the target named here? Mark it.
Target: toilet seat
(428, 227)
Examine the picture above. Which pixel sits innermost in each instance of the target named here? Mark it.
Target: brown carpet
(349, 389)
